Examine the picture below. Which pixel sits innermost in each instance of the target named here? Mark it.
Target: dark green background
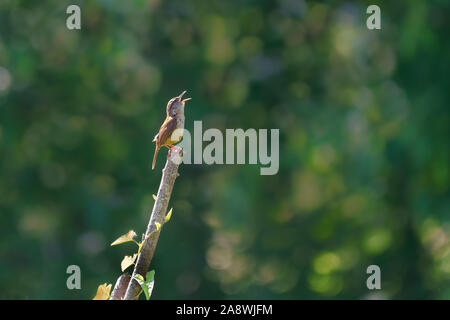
(364, 126)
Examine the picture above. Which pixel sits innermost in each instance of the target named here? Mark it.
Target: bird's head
(176, 105)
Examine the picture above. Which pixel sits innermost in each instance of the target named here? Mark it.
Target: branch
(120, 287)
(170, 173)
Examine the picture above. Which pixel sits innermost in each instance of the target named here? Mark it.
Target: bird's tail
(154, 157)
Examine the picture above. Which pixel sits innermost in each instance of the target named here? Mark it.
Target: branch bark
(120, 287)
(169, 174)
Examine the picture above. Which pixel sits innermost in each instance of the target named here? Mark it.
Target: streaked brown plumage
(174, 120)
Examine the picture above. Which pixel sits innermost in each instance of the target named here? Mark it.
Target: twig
(121, 287)
(170, 173)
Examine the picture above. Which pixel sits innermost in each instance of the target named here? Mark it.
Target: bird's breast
(177, 134)
(180, 122)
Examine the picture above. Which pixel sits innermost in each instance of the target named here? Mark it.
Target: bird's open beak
(182, 94)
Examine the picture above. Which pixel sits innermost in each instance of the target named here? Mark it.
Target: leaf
(139, 278)
(128, 261)
(169, 215)
(125, 238)
(145, 289)
(150, 276)
(103, 291)
(154, 197)
(149, 284)
(158, 225)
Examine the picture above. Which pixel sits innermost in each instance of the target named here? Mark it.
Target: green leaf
(139, 278)
(154, 197)
(158, 226)
(145, 289)
(168, 216)
(150, 276)
(125, 238)
(148, 284)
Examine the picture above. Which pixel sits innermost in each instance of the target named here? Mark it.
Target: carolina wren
(168, 133)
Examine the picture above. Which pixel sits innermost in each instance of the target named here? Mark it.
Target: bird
(168, 134)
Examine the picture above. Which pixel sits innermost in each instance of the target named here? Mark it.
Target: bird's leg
(170, 147)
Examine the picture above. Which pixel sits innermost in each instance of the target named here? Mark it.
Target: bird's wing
(165, 131)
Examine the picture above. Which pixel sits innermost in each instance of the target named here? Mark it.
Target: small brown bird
(171, 130)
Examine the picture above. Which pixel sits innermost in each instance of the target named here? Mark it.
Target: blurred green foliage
(364, 136)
